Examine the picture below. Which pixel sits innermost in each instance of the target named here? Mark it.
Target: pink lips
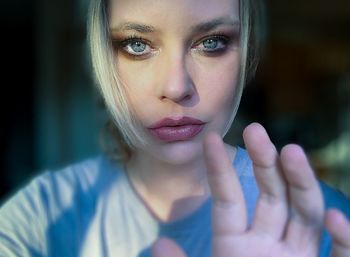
(171, 130)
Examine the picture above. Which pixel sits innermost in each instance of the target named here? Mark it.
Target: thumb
(165, 247)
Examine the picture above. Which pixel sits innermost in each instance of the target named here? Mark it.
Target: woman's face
(179, 61)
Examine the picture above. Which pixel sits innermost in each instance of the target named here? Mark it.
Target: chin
(179, 153)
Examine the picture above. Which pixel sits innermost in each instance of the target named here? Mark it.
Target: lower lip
(177, 133)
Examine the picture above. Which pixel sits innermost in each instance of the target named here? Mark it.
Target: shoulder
(56, 184)
(70, 192)
(57, 188)
(77, 176)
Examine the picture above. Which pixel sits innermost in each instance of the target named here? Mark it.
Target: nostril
(187, 97)
(177, 93)
(183, 98)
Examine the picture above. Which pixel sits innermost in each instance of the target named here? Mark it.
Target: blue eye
(212, 44)
(136, 47)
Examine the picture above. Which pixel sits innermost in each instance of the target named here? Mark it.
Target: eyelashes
(133, 46)
(213, 44)
(139, 48)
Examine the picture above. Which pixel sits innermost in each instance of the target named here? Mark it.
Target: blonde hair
(252, 18)
(126, 131)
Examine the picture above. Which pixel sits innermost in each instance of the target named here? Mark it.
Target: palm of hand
(250, 244)
(289, 214)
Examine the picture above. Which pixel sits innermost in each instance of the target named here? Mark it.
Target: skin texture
(174, 76)
(177, 79)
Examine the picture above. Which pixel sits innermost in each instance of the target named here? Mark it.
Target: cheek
(135, 80)
(219, 84)
(131, 76)
(215, 81)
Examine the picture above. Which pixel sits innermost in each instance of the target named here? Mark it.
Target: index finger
(229, 211)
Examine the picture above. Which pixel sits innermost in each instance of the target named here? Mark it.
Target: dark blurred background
(51, 113)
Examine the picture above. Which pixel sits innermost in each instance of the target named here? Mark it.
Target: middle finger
(272, 207)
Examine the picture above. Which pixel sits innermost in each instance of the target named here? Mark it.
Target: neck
(169, 191)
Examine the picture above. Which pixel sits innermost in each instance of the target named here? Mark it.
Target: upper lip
(173, 122)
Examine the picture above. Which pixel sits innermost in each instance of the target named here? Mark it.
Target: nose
(177, 84)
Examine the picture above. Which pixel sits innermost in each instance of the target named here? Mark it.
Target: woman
(172, 74)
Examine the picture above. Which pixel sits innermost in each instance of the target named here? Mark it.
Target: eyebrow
(212, 24)
(198, 28)
(141, 28)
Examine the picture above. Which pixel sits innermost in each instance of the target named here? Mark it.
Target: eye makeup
(216, 43)
(133, 46)
(210, 44)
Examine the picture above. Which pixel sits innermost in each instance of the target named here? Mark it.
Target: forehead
(170, 13)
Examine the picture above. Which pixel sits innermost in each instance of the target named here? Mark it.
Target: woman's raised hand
(289, 214)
